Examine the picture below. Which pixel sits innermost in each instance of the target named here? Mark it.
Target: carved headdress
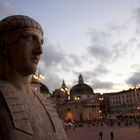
(10, 29)
(18, 22)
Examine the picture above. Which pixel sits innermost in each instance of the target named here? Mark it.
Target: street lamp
(102, 107)
(37, 79)
(101, 99)
(77, 98)
(64, 90)
(100, 114)
(38, 76)
(138, 109)
(100, 111)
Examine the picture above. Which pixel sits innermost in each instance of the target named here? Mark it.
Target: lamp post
(38, 76)
(37, 79)
(64, 90)
(101, 99)
(100, 114)
(101, 104)
(138, 109)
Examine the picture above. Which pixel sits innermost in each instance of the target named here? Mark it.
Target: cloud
(56, 64)
(136, 15)
(6, 9)
(91, 78)
(52, 53)
(135, 76)
(97, 84)
(134, 79)
(99, 45)
(51, 60)
(136, 18)
(101, 70)
(75, 59)
(106, 47)
(100, 52)
(115, 44)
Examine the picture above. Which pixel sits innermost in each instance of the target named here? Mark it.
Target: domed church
(82, 105)
(81, 90)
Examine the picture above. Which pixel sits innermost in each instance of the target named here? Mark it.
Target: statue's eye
(25, 35)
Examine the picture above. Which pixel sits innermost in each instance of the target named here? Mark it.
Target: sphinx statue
(25, 114)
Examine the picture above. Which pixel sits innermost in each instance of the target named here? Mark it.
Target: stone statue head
(20, 40)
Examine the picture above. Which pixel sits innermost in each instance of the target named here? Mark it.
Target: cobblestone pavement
(92, 133)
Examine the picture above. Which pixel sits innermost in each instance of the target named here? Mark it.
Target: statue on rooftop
(24, 113)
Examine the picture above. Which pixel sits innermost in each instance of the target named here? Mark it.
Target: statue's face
(25, 53)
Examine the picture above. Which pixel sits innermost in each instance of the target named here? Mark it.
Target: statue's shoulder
(17, 110)
(7, 91)
(44, 98)
(5, 86)
(50, 108)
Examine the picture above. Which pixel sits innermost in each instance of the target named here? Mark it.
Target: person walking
(100, 136)
(139, 125)
(111, 135)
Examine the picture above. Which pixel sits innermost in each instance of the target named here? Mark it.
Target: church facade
(80, 104)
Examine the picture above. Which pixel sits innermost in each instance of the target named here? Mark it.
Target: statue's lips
(35, 59)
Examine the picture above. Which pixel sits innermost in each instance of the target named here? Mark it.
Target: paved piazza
(92, 133)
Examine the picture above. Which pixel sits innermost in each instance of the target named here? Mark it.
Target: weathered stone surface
(16, 108)
(25, 114)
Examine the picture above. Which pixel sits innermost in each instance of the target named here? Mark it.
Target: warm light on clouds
(100, 42)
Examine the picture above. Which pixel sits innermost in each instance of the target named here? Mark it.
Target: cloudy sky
(99, 39)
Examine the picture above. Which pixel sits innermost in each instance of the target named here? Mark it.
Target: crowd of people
(119, 121)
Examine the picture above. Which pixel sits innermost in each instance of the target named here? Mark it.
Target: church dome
(42, 87)
(81, 90)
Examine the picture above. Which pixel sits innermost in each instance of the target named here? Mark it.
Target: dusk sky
(99, 39)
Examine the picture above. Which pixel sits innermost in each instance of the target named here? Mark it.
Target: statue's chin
(27, 70)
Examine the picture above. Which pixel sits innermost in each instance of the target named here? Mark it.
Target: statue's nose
(38, 47)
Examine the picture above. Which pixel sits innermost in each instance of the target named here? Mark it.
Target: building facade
(82, 105)
(126, 102)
